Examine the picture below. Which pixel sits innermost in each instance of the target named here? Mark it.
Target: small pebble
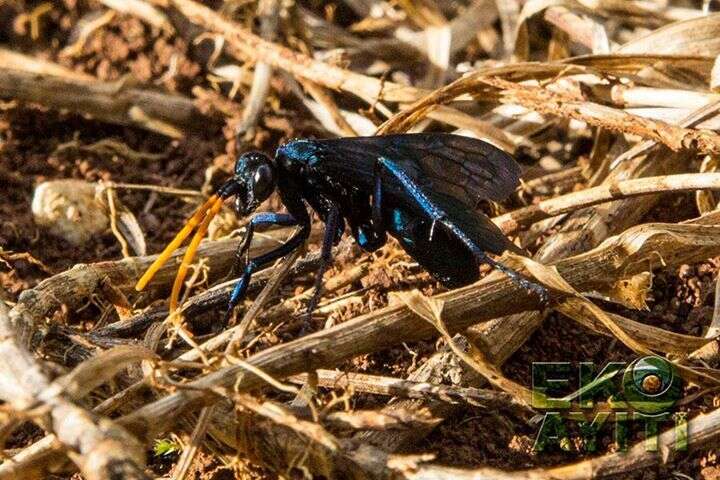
(69, 209)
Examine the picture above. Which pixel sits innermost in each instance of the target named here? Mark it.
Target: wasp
(423, 189)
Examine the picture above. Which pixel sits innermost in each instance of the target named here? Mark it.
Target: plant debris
(118, 119)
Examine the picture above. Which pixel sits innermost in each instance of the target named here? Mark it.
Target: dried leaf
(587, 313)
(698, 36)
(430, 309)
(630, 292)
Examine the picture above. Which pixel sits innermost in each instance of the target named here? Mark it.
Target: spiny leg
(259, 219)
(254, 264)
(438, 215)
(331, 227)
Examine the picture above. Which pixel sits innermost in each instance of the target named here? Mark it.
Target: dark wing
(464, 168)
(455, 172)
(476, 225)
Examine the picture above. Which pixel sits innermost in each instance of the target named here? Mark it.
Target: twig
(268, 13)
(508, 12)
(581, 29)
(513, 221)
(326, 102)
(328, 114)
(115, 103)
(334, 283)
(246, 46)
(621, 256)
(188, 455)
(18, 61)
(379, 385)
(180, 192)
(102, 450)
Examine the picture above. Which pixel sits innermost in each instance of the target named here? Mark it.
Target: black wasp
(423, 189)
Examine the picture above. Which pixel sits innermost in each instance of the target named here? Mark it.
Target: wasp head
(252, 183)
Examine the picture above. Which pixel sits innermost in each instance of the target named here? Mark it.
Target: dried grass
(636, 80)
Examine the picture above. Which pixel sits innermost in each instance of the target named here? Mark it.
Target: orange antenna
(190, 253)
(198, 216)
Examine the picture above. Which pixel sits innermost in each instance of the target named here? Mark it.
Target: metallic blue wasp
(423, 189)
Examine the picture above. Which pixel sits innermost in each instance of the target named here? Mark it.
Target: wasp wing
(464, 168)
(455, 172)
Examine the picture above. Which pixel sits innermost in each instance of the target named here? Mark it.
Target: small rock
(69, 209)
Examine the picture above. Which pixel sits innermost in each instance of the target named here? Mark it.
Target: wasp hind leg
(332, 224)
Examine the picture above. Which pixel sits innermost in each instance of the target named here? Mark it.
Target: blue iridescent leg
(258, 262)
(438, 215)
(259, 219)
(331, 228)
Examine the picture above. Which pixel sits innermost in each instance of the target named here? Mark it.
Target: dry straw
(635, 79)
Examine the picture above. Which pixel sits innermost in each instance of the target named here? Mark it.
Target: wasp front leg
(258, 262)
(257, 220)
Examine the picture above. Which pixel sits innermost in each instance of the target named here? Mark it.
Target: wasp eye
(263, 181)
